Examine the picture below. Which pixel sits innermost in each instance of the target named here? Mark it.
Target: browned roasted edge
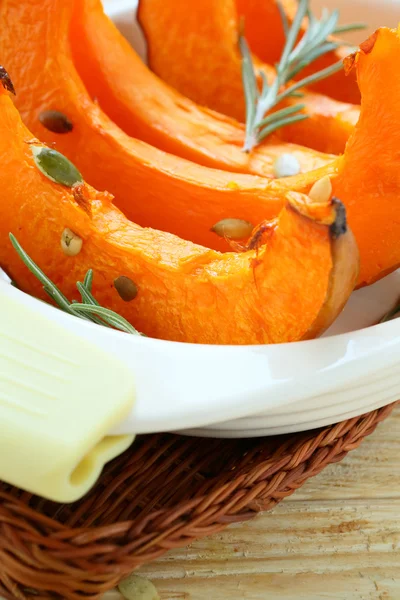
(5, 80)
(343, 276)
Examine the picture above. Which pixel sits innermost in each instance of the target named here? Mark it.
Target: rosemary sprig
(295, 57)
(89, 309)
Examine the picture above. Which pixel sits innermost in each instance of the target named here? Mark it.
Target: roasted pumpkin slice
(146, 108)
(166, 192)
(193, 46)
(369, 174)
(289, 288)
(265, 35)
(151, 187)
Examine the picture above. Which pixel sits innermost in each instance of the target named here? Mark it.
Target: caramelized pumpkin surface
(146, 108)
(194, 47)
(166, 192)
(153, 188)
(185, 292)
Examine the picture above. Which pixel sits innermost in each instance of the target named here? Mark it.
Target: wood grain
(337, 538)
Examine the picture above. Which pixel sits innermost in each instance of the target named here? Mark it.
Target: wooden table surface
(337, 538)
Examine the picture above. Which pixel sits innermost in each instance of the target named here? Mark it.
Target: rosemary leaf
(279, 124)
(312, 56)
(250, 86)
(88, 281)
(280, 114)
(350, 27)
(316, 41)
(311, 79)
(58, 296)
(293, 33)
(52, 292)
(107, 315)
(329, 25)
(89, 309)
(87, 297)
(285, 22)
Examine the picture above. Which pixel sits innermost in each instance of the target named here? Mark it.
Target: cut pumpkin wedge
(146, 108)
(265, 35)
(162, 191)
(151, 187)
(194, 48)
(369, 174)
(185, 292)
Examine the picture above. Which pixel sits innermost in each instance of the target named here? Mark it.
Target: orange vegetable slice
(146, 108)
(151, 187)
(368, 180)
(194, 47)
(162, 191)
(183, 291)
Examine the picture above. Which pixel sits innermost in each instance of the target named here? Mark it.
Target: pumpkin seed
(138, 588)
(286, 165)
(126, 288)
(235, 229)
(55, 166)
(71, 243)
(321, 191)
(5, 81)
(55, 121)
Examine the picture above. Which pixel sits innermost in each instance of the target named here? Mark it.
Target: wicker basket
(163, 493)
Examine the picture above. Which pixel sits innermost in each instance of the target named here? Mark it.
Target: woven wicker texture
(164, 492)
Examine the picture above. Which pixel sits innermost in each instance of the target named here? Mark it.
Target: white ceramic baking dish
(258, 390)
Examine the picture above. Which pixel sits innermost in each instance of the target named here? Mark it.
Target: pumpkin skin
(259, 15)
(146, 108)
(193, 47)
(151, 187)
(185, 292)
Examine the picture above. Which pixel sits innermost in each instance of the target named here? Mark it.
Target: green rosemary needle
(89, 309)
(315, 43)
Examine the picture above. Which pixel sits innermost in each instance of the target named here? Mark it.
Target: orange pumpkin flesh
(194, 47)
(151, 187)
(148, 109)
(185, 292)
(369, 176)
(366, 178)
(264, 33)
(165, 192)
